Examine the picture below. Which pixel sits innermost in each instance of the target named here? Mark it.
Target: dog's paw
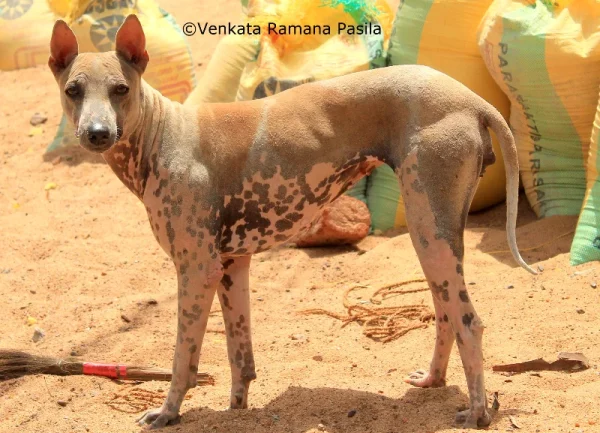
(469, 420)
(423, 379)
(157, 418)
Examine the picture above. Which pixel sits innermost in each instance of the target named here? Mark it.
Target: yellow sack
(221, 79)
(25, 30)
(170, 70)
(287, 60)
(545, 55)
(441, 34)
(586, 243)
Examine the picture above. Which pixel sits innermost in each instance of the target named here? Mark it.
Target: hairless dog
(221, 182)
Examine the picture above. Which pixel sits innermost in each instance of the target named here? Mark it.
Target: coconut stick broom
(14, 363)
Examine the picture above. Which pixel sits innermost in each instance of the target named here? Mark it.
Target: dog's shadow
(298, 410)
(73, 155)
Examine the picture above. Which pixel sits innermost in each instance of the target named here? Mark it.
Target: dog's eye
(122, 89)
(72, 91)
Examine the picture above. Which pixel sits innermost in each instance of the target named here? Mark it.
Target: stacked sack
(586, 244)
(546, 57)
(26, 27)
(441, 34)
(259, 66)
(25, 30)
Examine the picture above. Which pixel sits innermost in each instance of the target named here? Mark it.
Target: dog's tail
(494, 120)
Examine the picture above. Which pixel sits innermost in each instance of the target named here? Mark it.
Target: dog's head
(100, 92)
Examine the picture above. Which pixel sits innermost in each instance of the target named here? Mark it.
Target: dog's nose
(98, 134)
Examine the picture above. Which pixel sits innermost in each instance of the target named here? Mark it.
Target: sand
(79, 257)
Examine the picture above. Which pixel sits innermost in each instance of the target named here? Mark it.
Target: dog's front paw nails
(468, 419)
(423, 379)
(157, 419)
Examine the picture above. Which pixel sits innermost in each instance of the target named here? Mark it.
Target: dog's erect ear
(131, 42)
(63, 47)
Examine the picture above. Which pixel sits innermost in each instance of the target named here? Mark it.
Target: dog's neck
(129, 158)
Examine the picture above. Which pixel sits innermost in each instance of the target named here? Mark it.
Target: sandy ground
(82, 256)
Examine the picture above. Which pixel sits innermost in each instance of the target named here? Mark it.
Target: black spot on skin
(300, 205)
(283, 225)
(280, 238)
(226, 282)
(226, 302)
(170, 233)
(463, 296)
(227, 263)
(459, 269)
(445, 318)
(280, 210)
(162, 184)
(193, 349)
(192, 316)
(155, 165)
(294, 217)
(247, 195)
(281, 192)
(441, 290)
(424, 242)
(467, 319)
(459, 339)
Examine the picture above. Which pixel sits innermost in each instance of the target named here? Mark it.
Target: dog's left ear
(131, 43)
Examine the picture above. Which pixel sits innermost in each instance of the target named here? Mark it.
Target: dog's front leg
(197, 285)
(234, 295)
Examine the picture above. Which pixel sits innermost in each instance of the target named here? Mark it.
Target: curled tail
(494, 120)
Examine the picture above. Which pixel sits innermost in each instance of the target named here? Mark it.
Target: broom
(14, 363)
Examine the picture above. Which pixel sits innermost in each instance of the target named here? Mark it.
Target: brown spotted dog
(222, 182)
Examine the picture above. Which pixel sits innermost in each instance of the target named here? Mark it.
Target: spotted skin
(221, 182)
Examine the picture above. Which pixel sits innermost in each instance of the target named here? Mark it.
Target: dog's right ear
(63, 47)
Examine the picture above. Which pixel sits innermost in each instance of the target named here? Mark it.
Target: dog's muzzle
(99, 137)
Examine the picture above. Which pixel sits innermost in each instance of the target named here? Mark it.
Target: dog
(221, 182)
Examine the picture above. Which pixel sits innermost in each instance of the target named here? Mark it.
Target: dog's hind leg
(197, 285)
(234, 295)
(436, 376)
(437, 185)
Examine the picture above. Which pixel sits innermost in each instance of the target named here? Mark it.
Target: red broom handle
(114, 371)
